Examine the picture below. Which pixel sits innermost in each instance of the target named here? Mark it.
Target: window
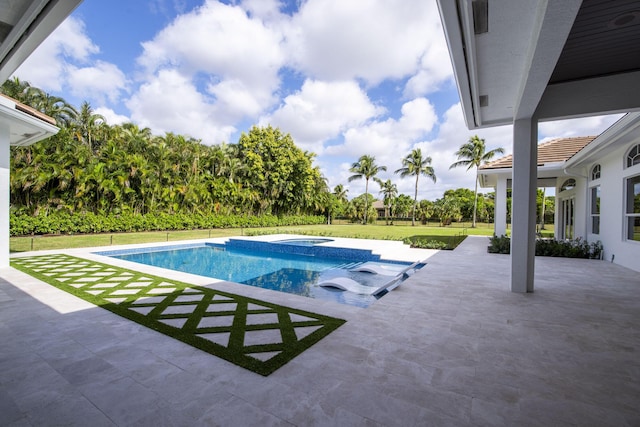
(569, 184)
(633, 158)
(595, 172)
(595, 210)
(633, 208)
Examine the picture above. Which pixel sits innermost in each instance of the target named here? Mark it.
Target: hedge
(65, 223)
(577, 248)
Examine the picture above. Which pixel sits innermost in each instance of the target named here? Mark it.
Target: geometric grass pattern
(257, 335)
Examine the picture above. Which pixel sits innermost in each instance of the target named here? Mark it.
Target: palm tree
(473, 154)
(341, 193)
(389, 191)
(87, 123)
(365, 168)
(53, 106)
(415, 164)
(17, 89)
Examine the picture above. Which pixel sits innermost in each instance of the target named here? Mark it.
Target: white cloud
(111, 116)
(227, 60)
(322, 110)
(268, 10)
(368, 39)
(46, 67)
(452, 133)
(435, 66)
(64, 62)
(101, 81)
(223, 44)
(387, 140)
(587, 126)
(170, 103)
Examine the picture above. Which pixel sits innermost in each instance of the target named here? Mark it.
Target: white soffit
(503, 73)
(24, 24)
(501, 58)
(24, 129)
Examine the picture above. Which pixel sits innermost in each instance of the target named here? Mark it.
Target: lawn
(398, 231)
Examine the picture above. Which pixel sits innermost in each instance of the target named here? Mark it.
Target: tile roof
(554, 151)
(30, 111)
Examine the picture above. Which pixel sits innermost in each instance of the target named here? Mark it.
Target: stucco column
(4, 195)
(523, 204)
(500, 208)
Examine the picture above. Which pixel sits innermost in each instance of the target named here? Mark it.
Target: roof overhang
(24, 24)
(550, 60)
(622, 133)
(547, 175)
(25, 128)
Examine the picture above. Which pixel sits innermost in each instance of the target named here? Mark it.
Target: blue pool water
(270, 269)
(303, 242)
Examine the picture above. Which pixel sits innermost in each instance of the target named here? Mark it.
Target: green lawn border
(235, 352)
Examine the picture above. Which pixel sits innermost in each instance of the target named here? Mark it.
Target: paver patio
(451, 346)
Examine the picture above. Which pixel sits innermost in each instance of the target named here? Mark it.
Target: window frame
(631, 212)
(631, 161)
(596, 172)
(594, 208)
(566, 183)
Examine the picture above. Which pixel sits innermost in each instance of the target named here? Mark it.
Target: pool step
(346, 266)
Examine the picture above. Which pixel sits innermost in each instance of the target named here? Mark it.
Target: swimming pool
(303, 241)
(296, 269)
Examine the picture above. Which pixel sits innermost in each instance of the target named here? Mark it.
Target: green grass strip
(257, 335)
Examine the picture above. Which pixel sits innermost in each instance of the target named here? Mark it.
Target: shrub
(577, 248)
(65, 223)
(499, 245)
(434, 242)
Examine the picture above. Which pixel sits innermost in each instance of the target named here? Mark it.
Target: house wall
(612, 207)
(580, 199)
(4, 195)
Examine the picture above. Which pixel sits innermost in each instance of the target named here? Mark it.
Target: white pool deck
(452, 346)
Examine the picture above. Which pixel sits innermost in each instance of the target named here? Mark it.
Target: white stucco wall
(612, 208)
(4, 195)
(578, 194)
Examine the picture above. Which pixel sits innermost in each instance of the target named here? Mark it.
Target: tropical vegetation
(93, 167)
(578, 248)
(93, 177)
(415, 165)
(474, 154)
(389, 192)
(366, 168)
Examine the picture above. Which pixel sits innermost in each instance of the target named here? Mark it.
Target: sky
(344, 78)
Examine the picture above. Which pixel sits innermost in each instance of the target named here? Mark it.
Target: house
(551, 158)
(378, 205)
(24, 25)
(521, 62)
(596, 195)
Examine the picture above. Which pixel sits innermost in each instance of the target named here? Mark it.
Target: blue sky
(344, 78)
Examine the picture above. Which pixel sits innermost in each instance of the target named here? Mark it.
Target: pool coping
(388, 249)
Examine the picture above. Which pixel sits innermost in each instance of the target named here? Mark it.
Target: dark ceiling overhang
(24, 24)
(545, 59)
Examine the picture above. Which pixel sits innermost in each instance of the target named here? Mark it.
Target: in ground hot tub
(303, 241)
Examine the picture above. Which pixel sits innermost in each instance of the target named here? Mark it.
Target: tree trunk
(475, 201)
(366, 201)
(415, 201)
(544, 190)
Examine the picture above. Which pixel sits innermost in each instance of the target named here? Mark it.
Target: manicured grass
(398, 231)
(257, 335)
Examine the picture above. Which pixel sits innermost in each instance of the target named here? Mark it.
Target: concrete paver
(451, 346)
